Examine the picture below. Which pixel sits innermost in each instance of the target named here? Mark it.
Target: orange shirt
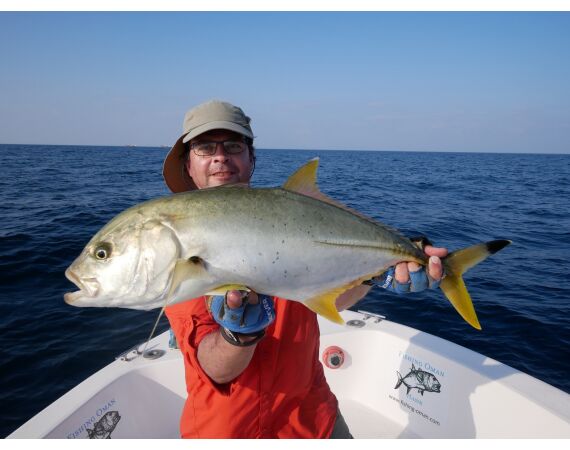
(281, 394)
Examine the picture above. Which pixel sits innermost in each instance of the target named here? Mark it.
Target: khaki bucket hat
(212, 115)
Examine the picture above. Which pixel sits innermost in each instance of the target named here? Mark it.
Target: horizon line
(308, 149)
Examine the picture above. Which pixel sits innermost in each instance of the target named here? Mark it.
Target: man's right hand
(222, 359)
(244, 314)
(235, 298)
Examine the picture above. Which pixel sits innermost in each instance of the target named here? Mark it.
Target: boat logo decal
(419, 379)
(105, 426)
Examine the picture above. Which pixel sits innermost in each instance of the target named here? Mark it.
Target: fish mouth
(88, 287)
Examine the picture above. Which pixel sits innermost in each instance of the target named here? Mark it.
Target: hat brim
(174, 170)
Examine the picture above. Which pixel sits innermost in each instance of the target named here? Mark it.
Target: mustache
(221, 168)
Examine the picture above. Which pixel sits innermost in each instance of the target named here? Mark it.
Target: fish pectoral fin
(185, 269)
(221, 290)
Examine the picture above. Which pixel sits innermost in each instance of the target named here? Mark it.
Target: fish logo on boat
(420, 380)
(105, 426)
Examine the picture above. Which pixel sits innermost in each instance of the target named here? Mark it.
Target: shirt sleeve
(191, 322)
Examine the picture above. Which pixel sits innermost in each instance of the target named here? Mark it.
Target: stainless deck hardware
(368, 315)
(356, 323)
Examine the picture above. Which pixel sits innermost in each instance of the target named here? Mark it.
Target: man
(251, 361)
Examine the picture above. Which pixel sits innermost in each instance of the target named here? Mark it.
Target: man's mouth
(222, 174)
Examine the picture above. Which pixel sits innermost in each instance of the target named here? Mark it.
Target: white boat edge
(447, 391)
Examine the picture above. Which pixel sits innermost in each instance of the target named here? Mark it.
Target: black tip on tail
(494, 246)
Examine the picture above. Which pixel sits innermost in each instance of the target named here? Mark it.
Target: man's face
(220, 168)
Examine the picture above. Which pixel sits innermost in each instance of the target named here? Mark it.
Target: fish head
(110, 419)
(432, 383)
(128, 263)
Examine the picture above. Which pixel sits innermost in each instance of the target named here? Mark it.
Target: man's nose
(220, 155)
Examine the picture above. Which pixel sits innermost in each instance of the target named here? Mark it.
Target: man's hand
(244, 314)
(234, 298)
(224, 355)
(435, 269)
(411, 277)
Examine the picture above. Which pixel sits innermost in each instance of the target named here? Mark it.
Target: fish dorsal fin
(304, 181)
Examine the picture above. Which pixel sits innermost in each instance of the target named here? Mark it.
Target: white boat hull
(472, 396)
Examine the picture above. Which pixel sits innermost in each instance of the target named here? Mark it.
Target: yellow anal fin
(456, 292)
(325, 305)
(221, 290)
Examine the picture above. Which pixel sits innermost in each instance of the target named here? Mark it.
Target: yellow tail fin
(455, 265)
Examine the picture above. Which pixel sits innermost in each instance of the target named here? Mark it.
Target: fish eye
(102, 252)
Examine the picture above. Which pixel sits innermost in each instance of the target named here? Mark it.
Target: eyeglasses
(209, 148)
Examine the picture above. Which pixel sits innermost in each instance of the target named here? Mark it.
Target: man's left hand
(411, 277)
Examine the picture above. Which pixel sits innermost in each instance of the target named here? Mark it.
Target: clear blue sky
(386, 81)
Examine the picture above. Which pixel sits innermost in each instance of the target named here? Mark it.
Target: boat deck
(446, 391)
(367, 423)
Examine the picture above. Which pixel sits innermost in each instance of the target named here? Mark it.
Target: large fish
(420, 380)
(293, 242)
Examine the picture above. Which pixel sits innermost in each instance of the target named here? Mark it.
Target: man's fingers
(413, 267)
(234, 298)
(435, 268)
(253, 298)
(401, 273)
(440, 252)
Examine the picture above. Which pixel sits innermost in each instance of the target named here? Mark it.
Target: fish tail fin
(400, 379)
(455, 265)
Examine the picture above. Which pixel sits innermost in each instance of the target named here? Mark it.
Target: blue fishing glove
(249, 319)
(419, 281)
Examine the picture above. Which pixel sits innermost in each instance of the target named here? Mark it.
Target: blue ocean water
(54, 198)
